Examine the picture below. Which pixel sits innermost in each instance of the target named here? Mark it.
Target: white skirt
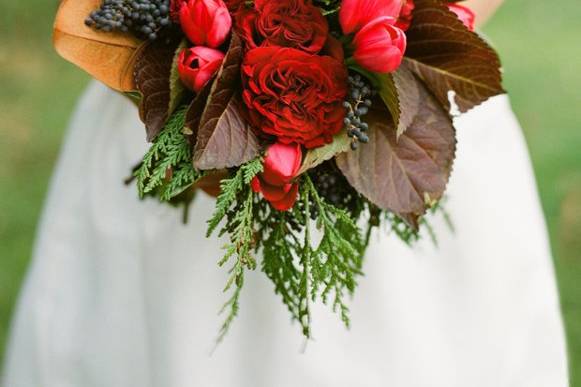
(121, 294)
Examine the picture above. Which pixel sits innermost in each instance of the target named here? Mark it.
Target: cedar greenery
(166, 170)
(301, 270)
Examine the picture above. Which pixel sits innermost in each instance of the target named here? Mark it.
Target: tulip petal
(288, 201)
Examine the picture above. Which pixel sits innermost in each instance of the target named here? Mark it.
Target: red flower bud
(205, 22)
(354, 14)
(405, 17)
(281, 164)
(465, 14)
(197, 65)
(379, 46)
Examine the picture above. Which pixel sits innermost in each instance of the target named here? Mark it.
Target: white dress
(121, 294)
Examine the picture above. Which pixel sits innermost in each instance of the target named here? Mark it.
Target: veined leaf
(314, 157)
(230, 144)
(224, 138)
(108, 57)
(399, 92)
(449, 57)
(406, 174)
(153, 68)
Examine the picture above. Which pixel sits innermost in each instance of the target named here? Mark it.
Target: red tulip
(354, 14)
(197, 65)
(405, 17)
(465, 14)
(281, 164)
(205, 22)
(379, 46)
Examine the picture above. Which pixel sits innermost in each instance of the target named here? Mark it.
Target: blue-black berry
(357, 106)
(143, 18)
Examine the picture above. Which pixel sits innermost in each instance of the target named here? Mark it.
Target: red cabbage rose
(205, 22)
(281, 164)
(465, 14)
(354, 14)
(197, 65)
(294, 96)
(289, 23)
(379, 46)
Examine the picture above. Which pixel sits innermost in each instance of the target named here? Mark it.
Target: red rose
(197, 65)
(465, 14)
(354, 14)
(286, 23)
(379, 46)
(205, 22)
(294, 96)
(281, 164)
(405, 17)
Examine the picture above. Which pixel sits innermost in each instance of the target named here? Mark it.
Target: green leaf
(166, 170)
(176, 87)
(341, 143)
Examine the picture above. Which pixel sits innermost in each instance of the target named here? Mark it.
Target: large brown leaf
(406, 174)
(224, 139)
(153, 69)
(108, 57)
(230, 144)
(447, 56)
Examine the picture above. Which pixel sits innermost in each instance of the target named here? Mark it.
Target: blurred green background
(539, 44)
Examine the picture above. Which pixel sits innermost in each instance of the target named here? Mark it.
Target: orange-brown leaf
(108, 57)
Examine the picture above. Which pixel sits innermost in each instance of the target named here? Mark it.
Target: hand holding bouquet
(326, 114)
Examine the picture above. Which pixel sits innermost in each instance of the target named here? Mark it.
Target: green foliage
(304, 272)
(235, 205)
(166, 170)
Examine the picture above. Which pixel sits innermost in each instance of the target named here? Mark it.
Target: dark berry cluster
(357, 105)
(145, 18)
(334, 187)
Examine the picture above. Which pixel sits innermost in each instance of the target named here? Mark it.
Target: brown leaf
(447, 56)
(195, 110)
(400, 93)
(231, 143)
(406, 174)
(152, 77)
(108, 57)
(224, 138)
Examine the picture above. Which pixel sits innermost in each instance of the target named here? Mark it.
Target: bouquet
(312, 121)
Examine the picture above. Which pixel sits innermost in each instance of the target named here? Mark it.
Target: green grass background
(539, 44)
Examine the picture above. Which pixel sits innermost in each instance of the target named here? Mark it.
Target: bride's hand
(483, 9)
